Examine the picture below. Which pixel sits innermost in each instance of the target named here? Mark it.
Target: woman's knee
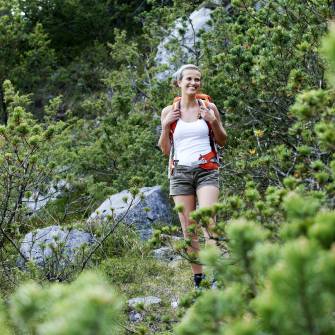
(188, 227)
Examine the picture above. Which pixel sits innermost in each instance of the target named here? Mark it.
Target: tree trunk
(3, 108)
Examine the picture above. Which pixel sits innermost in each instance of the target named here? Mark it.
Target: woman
(192, 122)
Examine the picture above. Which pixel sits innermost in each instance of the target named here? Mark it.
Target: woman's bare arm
(212, 115)
(168, 116)
(220, 133)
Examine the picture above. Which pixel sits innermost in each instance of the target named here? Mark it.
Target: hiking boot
(198, 277)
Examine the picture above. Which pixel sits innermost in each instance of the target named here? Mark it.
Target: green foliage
(124, 241)
(297, 287)
(86, 306)
(328, 50)
(210, 312)
(261, 59)
(73, 25)
(5, 329)
(27, 59)
(274, 259)
(281, 287)
(113, 152)
(131, 269)
(27, 170)
(323, 229)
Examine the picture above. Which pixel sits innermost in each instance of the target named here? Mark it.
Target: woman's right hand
(171, 117)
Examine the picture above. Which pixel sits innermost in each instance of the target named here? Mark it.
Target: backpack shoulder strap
(201, 96)
(204, 103)
(204, 97)
(175, 106)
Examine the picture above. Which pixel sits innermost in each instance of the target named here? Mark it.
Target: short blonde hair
(178, 75)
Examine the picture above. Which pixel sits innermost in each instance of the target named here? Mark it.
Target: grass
(134, 272)
(130, 267)
(136, 276)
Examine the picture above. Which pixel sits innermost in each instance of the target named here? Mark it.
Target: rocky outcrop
(197, 21)
(185, 33)
(43, 246)
(150, 206)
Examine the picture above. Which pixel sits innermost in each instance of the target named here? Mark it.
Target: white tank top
(190, 141)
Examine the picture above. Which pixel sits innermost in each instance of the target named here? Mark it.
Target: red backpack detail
(209, 161)
(204, 97)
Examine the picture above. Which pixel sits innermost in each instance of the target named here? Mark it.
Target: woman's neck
(188, 101)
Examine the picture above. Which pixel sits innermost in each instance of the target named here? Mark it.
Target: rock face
(198, 20)
(141, 212)
(38, 246)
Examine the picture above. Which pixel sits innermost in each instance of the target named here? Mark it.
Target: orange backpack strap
(212, 157)
(211, 161)
(205, 97)
(172, 129)
(176, 99)
(176, 106)
(201, 96)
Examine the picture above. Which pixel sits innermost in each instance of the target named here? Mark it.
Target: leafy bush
(86, 306)
(27, 172)
(279, 287)
(275, 221)
(131, 269)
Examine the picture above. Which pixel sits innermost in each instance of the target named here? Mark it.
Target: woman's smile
(191, 81)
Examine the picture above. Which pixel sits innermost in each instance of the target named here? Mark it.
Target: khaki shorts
(186, 180)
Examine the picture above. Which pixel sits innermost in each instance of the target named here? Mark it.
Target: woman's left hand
(207, 114)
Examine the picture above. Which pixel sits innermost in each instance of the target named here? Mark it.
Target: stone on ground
(141, 212)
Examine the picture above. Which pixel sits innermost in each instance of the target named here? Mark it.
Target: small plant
(88, 305)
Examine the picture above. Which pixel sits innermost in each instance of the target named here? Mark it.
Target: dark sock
(198, 277)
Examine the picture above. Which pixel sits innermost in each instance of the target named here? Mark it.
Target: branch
(13, 243)
(106, 236)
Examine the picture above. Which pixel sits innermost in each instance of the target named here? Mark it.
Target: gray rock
(141, 212)
(39, 200)
(135, 316)
(171, 237)
(146, 301)
(37, 246)
(165, 254)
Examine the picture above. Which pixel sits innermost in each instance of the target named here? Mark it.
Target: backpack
(209, 161)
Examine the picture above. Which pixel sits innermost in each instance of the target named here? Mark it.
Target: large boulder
(54, 244)
(150, 206)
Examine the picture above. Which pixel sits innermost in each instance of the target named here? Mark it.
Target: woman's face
(190, 82)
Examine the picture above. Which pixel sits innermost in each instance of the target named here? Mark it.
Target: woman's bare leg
(207, 196)
(189, 204)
